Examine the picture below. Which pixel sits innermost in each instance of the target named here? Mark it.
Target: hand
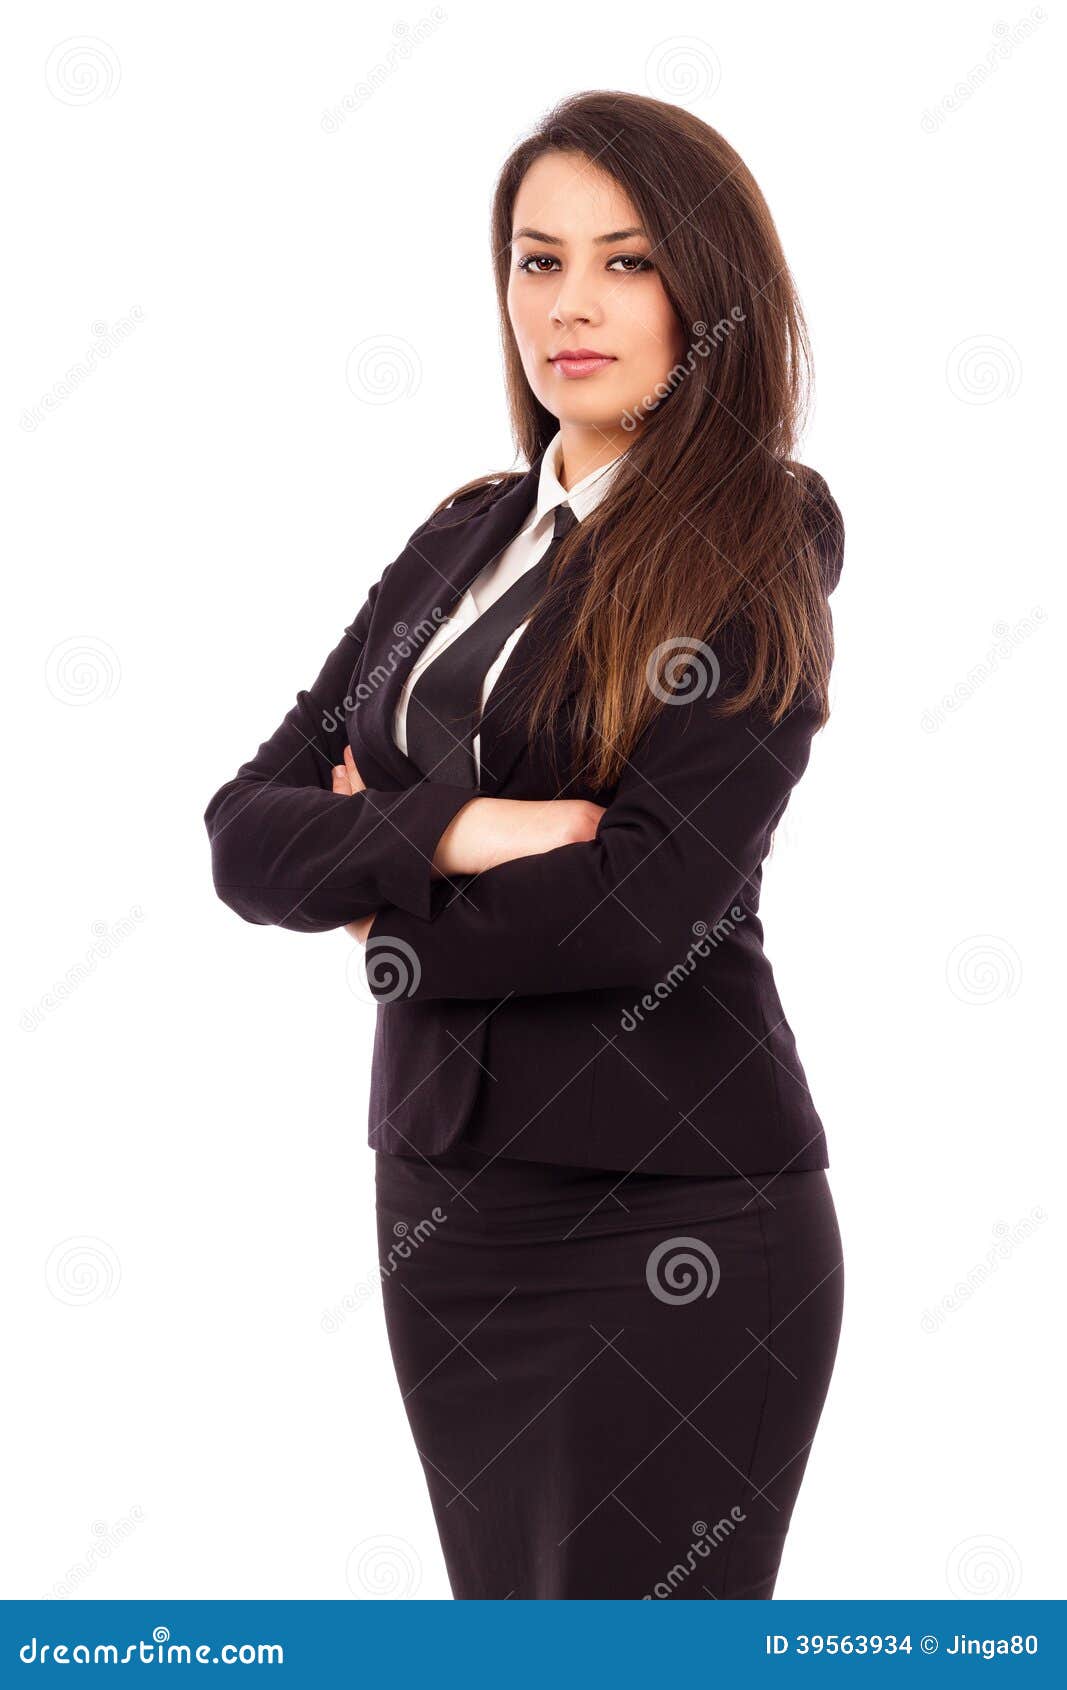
(347, 781)
(490, 831)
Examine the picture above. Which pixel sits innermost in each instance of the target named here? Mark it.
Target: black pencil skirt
(613, 1380)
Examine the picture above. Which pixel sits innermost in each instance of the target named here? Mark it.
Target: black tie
(445, 701)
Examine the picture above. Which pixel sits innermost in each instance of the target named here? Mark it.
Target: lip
(581, 361)
(573, 352)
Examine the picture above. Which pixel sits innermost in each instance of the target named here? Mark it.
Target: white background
(188, 1188)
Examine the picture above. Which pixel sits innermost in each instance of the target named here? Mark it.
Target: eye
(632, 258)
(542, 264)
(534, 258)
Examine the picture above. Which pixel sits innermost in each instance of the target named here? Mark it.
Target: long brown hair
(708, 527)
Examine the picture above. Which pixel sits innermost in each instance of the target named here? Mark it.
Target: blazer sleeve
(684, 834)
(289, 852)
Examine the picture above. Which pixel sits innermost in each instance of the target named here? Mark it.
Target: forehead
(569, 196)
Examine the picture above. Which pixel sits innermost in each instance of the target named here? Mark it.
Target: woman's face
(582, 280)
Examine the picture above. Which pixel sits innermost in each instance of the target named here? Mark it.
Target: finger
(357, 782)
(339, 777)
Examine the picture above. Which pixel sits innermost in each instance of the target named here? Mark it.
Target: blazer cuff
(414, 819)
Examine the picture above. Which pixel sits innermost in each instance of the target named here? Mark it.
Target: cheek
(659, 340)
(662, 317)
(518, 311)
(526, 332)
(521, 330)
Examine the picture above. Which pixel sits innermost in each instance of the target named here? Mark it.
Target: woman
(538, 777)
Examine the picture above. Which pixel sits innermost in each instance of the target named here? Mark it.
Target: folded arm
(285, 850)
(686, 831)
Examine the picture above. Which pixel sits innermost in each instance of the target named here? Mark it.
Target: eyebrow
(598, 240)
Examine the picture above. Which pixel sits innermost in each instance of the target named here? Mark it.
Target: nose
(576, 301)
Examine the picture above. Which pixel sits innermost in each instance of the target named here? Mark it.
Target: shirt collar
(582, 497)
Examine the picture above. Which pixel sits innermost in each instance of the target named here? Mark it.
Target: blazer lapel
(421, 589)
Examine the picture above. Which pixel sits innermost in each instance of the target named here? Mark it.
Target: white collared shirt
(521, 553)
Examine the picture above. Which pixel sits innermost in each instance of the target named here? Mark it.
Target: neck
(585, 447)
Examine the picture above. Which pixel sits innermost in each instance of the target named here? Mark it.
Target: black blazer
(607, 1003)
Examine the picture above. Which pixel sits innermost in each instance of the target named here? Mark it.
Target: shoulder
(452, 511)
(822, 519)
(471, 499)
